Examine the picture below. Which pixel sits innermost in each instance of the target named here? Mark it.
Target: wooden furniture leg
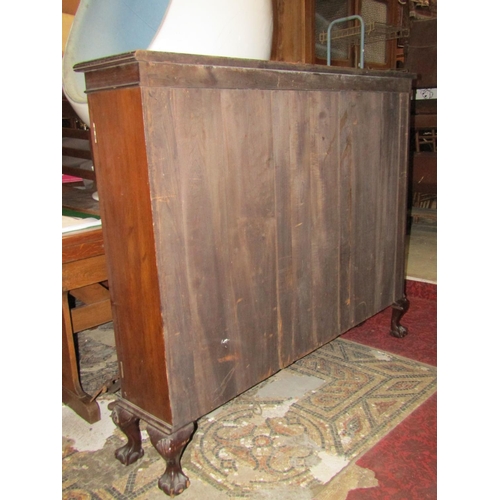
(72, 393)
(171, 447)
(129, 425)
(169, 444)
(399, 308)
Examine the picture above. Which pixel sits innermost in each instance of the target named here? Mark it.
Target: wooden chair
(84, 274)
(424, 155)
(76, 151)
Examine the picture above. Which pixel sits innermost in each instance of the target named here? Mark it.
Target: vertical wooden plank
(122, 176)
(293, 198)
(369, 178)
(281, 125)
(365, 197)
(388, 180)
(401, 154)
(344, 196)
(213, 197)
(250, 194)
(186, 213)
(325, 235)
(301, 228)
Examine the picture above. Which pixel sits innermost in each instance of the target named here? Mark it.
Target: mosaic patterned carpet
(289, 437)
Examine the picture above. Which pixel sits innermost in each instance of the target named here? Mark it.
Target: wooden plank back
(251, 214)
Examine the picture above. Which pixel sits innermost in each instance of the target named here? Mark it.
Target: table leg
(73, 394)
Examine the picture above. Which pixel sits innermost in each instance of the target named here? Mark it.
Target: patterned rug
(289, 437)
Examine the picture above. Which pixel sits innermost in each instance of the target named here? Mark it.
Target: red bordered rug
(328, 424)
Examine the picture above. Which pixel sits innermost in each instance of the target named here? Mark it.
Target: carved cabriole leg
(129, 425)
(399, 308)
(170, 447)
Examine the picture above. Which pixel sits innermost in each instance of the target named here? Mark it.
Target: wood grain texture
(251, 214)
(293, 33)
(83, 266)
(400, 152)
(274, 228)
(72, 392)
(82, 272)
(215, 241)
(91, 315)
(78, 245)
(121, 169)
(163, 69)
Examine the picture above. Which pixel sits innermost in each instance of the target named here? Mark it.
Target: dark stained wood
(400, 155)
(421, 52)
(77, 172)
(171, 447)
(227, 195)
(399, 308)
(128, 423)
(75, 133)
(289, 151)
(250, 213)
(123, 75)
(391, 189)
(163, 69)
(75, 147)
(78, 153)
(423, 121)
(324, 232)
(424, 107)
(119, 149)
(423, 164)
(424, 172)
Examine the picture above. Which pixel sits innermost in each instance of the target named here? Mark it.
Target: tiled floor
(421, 266)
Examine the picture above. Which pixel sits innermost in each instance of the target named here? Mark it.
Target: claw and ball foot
(129, 425)
(399, 308)
(170, 447)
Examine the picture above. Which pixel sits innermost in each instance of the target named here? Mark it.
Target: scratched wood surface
(275, 227)
(250, 215)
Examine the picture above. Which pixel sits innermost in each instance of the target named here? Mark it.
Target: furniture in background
(300, 32)
(85, 295)
(421, 52)
(76, 152)
(84, 279)
(423, 186)
(421, 59)
(252, 211)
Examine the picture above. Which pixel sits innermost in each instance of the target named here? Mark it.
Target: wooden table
(252, 212)
(84, 276)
